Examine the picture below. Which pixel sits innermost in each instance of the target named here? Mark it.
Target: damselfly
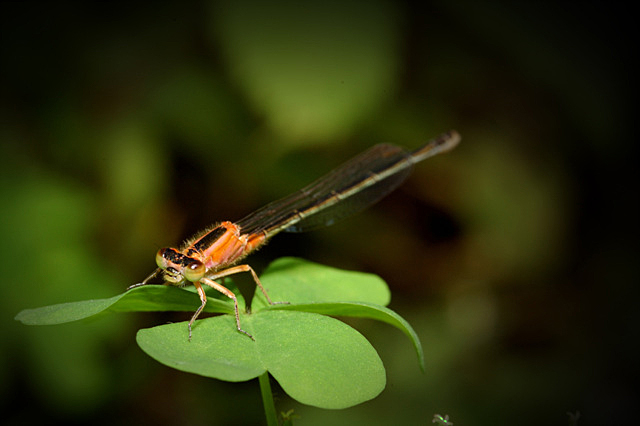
(358, 183)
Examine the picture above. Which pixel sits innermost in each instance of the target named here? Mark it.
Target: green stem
(267, 400)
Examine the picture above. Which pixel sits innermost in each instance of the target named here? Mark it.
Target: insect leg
(222, 289)
(245, 268)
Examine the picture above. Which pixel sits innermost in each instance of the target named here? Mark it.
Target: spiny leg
(246, 268)
(222, 289)
(203, 299)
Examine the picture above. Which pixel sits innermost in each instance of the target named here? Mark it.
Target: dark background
(127, 127)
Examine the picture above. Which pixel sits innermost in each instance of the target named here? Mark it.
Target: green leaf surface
(309, 287)
(146, 298)
(362, 310)
(295, 280)
(317, 360)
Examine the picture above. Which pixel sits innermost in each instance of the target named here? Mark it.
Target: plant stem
(267, 400)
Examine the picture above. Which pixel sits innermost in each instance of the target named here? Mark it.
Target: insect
(214, 253)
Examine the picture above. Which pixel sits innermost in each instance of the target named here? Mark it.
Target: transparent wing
(346, 190)
(338, 194)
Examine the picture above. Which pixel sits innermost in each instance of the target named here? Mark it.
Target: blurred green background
(127, 127)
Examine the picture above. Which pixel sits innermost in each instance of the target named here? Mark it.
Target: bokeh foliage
(126, 127)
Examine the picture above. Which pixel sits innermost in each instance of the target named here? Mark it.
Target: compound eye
(194, 271)
(160, 260)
